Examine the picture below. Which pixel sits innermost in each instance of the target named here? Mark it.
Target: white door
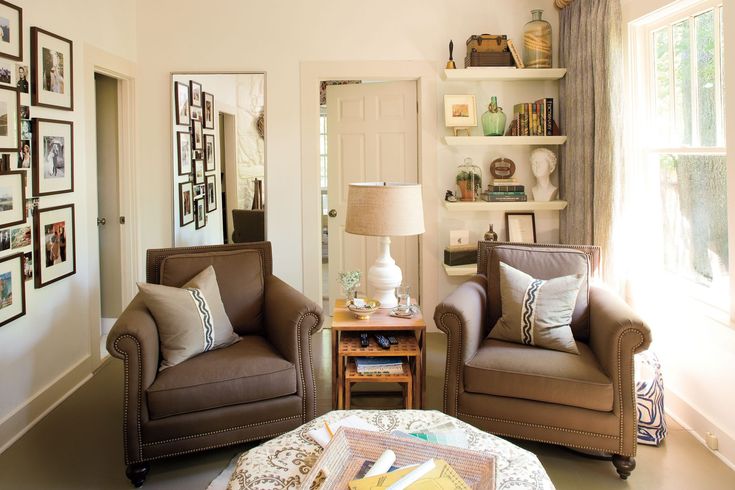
(371, 137)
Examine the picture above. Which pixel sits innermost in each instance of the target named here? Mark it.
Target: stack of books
(379, 365)
(505, 190)
(533, 119)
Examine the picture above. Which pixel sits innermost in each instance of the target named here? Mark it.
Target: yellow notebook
(442, 477)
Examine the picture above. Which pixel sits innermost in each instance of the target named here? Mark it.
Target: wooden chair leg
(348, 393)
(137, 472)
(624, 465)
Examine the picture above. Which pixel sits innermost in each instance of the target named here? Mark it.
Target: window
(323, 157)
(684, 153)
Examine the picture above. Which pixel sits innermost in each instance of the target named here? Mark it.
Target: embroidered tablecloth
(283, 462)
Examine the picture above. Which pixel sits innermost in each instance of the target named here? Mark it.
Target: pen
(329, 431)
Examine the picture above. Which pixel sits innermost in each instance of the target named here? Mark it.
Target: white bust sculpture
(543, 164)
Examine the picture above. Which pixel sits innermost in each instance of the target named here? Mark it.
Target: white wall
(696, 351)
(276, 37)
(47, 351)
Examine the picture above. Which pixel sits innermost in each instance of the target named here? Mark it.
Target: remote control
(392, 340)
(382, 341)
(364, 342)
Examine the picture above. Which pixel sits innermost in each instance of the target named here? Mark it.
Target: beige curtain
(590, 47)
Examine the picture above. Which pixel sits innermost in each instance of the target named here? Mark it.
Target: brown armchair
(584, 401)
(257, 388)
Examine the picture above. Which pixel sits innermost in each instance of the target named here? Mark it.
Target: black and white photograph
(24, 156)
(196, 94)
(21, 75)
(12, 198)
(209, 153)
(12, 288)
(11, 31)
(6, 72)
(4, 239)
(186, 203)
(25, 112)
(211, 193)
(181, 99)
(26, 129)
(52, 67)
(198, 135)
(28, 265)
(52, 156)
(9, 119)
(198, 172)
(54, 245)
(183, 144)
(208, 110)
(201, 213)
(196, 113)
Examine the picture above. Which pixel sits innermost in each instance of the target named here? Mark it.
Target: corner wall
(47, 352)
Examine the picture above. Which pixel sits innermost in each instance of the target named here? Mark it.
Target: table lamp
(384, 209)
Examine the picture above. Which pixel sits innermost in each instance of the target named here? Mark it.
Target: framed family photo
(183, 143)
(55, 244)
(181, 99)
(211, 197)
(9, 119)
(53, 157)
(198, 135)
(209, 155)
(198, 171)
(52, 69)
(208, 111)
(11, 31)
(186, 203)
(12, 288)
(196, 93)
(12, 198)
(201, 213)
(520, 227)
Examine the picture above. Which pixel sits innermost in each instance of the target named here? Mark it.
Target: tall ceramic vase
(537, 42)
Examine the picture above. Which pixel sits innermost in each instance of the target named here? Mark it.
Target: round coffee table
(284, 462)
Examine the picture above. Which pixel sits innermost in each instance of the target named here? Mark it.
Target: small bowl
(364, 312)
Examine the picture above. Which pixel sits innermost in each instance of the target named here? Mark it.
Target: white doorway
(371, 136)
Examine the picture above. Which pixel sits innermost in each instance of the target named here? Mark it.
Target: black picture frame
(44, 254)
(197, 135)
(528, 218)
(210, 193)
(7, 313)
(182, 104)
(195, 91)
(198, 169)
(208, 107)
(11, 143)
(8, 10)
(200, 213)
(184, 152)
(184, 217)
(44, 84)
(210, 153)
(20, 186)
(40, 142)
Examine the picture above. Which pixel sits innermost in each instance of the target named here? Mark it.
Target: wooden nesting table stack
(411, 335)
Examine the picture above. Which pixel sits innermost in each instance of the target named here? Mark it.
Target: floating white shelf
(460, 270)
(505, 206)
(504, 140)
(504, 74)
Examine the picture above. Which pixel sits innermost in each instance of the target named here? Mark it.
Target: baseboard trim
(696, 423)
(21, 420)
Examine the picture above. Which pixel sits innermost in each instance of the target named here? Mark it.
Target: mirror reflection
(218, 140)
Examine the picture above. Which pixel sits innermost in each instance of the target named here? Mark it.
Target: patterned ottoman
(284, 461)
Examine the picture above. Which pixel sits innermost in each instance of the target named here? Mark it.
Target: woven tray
(350, 448)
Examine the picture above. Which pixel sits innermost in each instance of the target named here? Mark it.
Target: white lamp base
(385, 276)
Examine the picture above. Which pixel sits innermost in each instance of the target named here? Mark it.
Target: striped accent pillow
(535, 311)
(190, 320)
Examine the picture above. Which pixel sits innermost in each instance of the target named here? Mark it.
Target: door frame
(312, 74)
(124, 71)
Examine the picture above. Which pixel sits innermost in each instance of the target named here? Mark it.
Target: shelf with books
(506, 206)
(460, 270)
(504, 140)
(503, 74)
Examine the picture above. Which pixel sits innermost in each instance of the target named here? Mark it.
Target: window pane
(662, 68)
(323, 171)
(694, 219)
(722, 68)
(682, 84)
(704, 25)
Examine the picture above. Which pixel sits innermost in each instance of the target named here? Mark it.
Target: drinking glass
(403, 293)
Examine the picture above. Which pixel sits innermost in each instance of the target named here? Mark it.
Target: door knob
(101, 221)
(332, 213)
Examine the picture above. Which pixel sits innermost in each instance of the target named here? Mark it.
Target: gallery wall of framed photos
(37, 221)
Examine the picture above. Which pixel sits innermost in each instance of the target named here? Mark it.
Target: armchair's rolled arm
(461, 316)
(291, 319)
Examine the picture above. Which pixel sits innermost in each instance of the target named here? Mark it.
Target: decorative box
(488, 59)
(460, 254)
(487, 43)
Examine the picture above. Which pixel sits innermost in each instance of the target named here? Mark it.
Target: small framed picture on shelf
(197, 134)
(459, 237)
(201, 213)
(52, 80)
(208, 110)
(11, 26)
(54, 244)
(53, 157)
(9, 119)
(196, 93)
(460, 111)
(211, 193)
(12, 198)
(181, 99)
(209, 154)
(12, 288)
(183, 152)
(520, 227)
(186, 203)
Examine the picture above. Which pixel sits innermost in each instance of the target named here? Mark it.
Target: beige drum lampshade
(385, 209)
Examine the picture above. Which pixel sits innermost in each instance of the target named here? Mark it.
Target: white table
(283, 462)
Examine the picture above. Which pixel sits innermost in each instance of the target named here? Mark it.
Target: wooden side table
(410, 332)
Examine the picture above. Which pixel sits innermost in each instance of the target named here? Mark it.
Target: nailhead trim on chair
(127, 391)
(541, 426)
(220, 431)
(449, 350)
(301, 369)
(632, 390)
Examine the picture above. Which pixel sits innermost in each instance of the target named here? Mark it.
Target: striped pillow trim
(205, 316)
(528, 311)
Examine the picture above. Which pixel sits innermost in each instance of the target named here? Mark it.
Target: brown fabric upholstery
(540, 395)
(523, 371)
(218, 378)
(240, 278)
(257, 388)
(542, 263)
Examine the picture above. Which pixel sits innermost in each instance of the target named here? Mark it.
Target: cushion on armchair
(190, 320)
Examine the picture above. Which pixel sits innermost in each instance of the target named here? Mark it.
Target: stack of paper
(441, 476)
(379, 365)
(321, 434)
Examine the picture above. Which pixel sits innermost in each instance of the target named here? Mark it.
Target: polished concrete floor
(79, 445)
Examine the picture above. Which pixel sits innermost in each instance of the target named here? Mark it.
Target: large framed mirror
(218, 142)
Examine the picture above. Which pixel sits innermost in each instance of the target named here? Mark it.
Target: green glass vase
(493, 121)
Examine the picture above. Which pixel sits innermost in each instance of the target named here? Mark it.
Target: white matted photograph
(460, 111)
(53, 157)
(12, 288)
(209, 153)
(53, 229)
(12, 198)
(52, 70)
(459, 237)
(182, 104)
(9, 119)
(11, 31)
(520, 227)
